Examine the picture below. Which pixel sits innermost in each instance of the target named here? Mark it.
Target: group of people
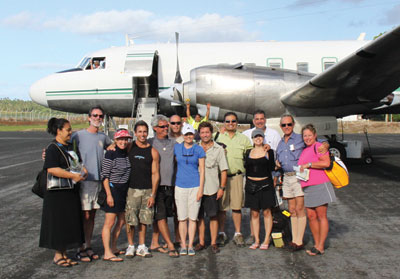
(171, 175)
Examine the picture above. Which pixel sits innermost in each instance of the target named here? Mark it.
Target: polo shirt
(236, 148)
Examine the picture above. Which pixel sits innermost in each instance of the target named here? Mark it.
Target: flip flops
(159, 249)
(173, 253)
(264, 246)
(314, 252)
(254, 246)
(114, 259)
(61, 262)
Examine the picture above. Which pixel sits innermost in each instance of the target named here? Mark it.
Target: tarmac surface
(363, 240)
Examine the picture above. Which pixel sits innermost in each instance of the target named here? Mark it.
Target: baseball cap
(187, 128)
(123, 133)
(257, 132)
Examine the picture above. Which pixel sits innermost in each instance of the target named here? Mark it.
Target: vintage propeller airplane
(353, 77)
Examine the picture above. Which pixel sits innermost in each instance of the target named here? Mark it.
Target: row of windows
(326, 62)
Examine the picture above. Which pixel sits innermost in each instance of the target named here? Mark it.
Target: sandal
(83, 257)
(71, 262)
(173, 253)
(119, 252)
(92, 255)
(199, 247)
(254, 246)
(114, 259)
(264, 246)
(159, 249)
(314, 252)
(61, 262)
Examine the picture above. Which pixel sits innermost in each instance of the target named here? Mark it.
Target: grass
(35, 127)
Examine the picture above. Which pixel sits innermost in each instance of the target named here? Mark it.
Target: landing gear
(338, 150)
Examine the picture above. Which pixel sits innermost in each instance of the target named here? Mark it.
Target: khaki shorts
(89, 192)
(233, 194)
(136, 210)
(187, 205)
(291, 187)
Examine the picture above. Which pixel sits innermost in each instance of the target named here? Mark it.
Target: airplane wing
(360, 80)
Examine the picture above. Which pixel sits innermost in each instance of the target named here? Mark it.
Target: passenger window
(328, 62)
(302, 66)
(275, 62)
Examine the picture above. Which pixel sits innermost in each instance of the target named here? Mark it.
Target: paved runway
(363, 241)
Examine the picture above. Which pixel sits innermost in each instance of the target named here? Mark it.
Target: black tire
(368, 160)
(337, 149)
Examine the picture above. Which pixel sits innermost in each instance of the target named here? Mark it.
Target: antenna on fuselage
(361, 37)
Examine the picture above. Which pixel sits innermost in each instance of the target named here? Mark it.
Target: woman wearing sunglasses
(115, 170)
(189, 186)
(260, 190)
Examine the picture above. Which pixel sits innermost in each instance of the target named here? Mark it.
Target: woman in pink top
(318, 190)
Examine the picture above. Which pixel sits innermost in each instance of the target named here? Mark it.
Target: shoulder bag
(59, 183)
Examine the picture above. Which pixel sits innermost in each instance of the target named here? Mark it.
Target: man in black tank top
(143, 182)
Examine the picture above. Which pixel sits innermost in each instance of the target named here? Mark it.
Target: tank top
(141, 161)
(260, 167)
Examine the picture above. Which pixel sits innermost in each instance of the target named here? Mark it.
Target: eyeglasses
(97, 115)
(283, 125)
(163, 126)
(175, 123)
(230, 121)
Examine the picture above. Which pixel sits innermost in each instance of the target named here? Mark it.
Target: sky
(39, 38)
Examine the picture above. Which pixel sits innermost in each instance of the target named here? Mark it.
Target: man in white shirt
(272, 137)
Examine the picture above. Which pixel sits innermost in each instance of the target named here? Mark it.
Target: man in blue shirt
(288, 153)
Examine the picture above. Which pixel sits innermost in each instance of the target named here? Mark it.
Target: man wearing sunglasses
(175, 128)
(164, 202)
(91, 144)
(288, 153)
(236, 146)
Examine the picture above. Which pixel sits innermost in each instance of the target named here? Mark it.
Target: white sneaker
(143, 251)
(130, 251)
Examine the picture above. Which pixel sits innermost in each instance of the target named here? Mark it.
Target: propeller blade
(178, 78)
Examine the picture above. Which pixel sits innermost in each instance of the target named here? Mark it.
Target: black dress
(62, 226)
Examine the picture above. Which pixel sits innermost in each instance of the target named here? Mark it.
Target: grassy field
(12, 126)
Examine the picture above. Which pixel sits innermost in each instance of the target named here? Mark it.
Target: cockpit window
(92, 63)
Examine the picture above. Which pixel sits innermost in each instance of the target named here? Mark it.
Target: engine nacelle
(242, 88)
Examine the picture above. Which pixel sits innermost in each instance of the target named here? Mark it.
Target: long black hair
(55, 124)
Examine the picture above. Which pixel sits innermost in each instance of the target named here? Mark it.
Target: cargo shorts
(136, 210)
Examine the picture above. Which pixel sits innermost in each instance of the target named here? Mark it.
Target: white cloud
(141, 23)
(391, 17)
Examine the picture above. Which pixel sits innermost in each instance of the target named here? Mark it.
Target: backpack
(336, 172)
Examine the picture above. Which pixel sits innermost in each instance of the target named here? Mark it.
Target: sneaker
(222, 239)
(130, 251)
(143, 252)
(238, 240)
(191, 252)
(183, 252)
(250, 240)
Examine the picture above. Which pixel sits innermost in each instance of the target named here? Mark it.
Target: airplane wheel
(337, 149)
(368, 160)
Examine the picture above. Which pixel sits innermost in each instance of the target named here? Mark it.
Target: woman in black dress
(61, 227)
(260, 191)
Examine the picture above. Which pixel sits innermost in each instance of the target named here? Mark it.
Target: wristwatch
(309, 165)
(222, 188)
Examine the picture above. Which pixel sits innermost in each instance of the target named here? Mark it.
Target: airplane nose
(37, 93)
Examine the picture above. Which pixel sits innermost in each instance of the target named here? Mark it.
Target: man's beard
(94, 123)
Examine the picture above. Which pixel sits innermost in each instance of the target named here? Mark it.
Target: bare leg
(88, 225)
(183, 232)
(314, 224)
(213, 229)
(267, 224)
(106, 232)
(117, 231)
(202, 230)
(176, 230)
(301, 220)
(192, 232)
(163, 228)
(255, 222)
(237, 220)
(142, 233)
(323, 226)
(155, 236)
(130, 232)
(221, 221)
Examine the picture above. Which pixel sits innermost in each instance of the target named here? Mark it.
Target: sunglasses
(163, 126)
(230, 121)
(97, 115)
(175, 123)
(286, 124)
